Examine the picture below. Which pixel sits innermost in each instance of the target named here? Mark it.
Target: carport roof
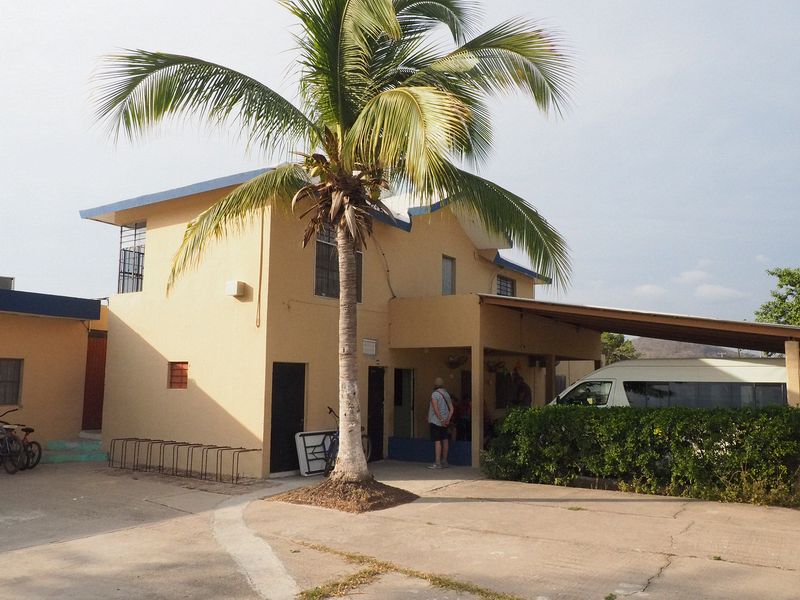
(682, 328)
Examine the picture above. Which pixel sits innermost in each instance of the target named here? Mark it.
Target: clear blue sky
(674, 176)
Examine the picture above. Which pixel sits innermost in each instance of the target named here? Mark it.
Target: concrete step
(72, 445)
(91, 434)
(66, 457)
(79, 450)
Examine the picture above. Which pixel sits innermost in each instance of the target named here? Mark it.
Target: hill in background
(654, 348)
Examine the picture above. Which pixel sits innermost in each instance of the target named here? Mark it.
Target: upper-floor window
(10, 380)
(506, 286)
(178, 375)
(131, 258)
(326, 274)
(448, 275)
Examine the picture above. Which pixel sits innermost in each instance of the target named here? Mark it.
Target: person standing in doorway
(440, 413)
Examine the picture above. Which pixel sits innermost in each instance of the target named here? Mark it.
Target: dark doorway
(94, 382)
(288, 402)
(375, 411)
(404, 403)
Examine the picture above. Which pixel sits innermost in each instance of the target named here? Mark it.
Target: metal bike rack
(235, 462)
(143, 457)
(204, 458)
(189, 451)
(125, 442)
(221, 462)
(162, 453)
(113, 448)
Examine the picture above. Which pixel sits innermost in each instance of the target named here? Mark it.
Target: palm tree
(383, 108)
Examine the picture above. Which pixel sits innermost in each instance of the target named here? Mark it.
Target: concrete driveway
(83, 531)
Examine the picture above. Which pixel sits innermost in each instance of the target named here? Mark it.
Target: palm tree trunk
(350, 464)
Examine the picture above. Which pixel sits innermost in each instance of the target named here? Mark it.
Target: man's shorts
(439, 433)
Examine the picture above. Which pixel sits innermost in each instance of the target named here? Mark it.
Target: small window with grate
(131, 258)
(178, 375)
(506, 286)
(448, 275)
(326, 274)
(10, 380)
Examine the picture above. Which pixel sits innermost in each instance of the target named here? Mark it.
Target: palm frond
(335, 49)
(504, 213)
(139, 89)
(412, 130)
(516, 55)
(419, 17)
(275, 187)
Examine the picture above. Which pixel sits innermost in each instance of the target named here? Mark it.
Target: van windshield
(588, 393)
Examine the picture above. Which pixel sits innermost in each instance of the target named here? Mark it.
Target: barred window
(131, 258)
(326, 275)
(506, 286)
(178, 378)
(10, 380)
(448, 275)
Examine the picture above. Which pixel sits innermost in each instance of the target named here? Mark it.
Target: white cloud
(760, 258)
(649, 290)
(709, 291)
(689, 277)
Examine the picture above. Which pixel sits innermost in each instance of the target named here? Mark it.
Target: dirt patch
(354, 497)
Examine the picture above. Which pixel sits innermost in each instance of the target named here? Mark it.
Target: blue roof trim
(384, 218)
(187, 190)
(512, 266)
(46, 305)
(416, 211)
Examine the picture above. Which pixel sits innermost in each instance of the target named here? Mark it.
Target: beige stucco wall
(198, 323)
(53, 372)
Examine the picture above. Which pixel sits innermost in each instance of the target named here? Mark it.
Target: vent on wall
(6, 283)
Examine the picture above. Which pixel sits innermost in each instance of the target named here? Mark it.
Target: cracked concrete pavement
(82, 531)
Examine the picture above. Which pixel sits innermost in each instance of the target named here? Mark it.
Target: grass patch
(342, 586)
(575, 508)
(374, 568)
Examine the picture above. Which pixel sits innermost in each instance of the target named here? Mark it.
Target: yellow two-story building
(243, 350)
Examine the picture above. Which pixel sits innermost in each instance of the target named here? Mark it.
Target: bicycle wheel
(11, 455)
(366, 444)
(34, 452)
(19, 454)
(330, 457)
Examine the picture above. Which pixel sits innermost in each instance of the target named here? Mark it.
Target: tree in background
(616, 348)
(385, 106)
(784, 308)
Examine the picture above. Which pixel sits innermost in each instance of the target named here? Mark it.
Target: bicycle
(332, 450)
(11, 454)
(31, 449)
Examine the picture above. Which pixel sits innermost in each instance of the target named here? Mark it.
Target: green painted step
(65, 457)
(78, 450)
(74, 445)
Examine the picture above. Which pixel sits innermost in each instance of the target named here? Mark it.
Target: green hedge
(747, 455)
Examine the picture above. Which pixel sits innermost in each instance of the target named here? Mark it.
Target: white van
(691, 382)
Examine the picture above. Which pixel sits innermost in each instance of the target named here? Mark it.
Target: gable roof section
(402, 212)
(105, 213)
(47, 305)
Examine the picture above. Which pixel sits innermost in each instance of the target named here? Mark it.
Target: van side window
(646, 394)
(588, 393)
(636, 392)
